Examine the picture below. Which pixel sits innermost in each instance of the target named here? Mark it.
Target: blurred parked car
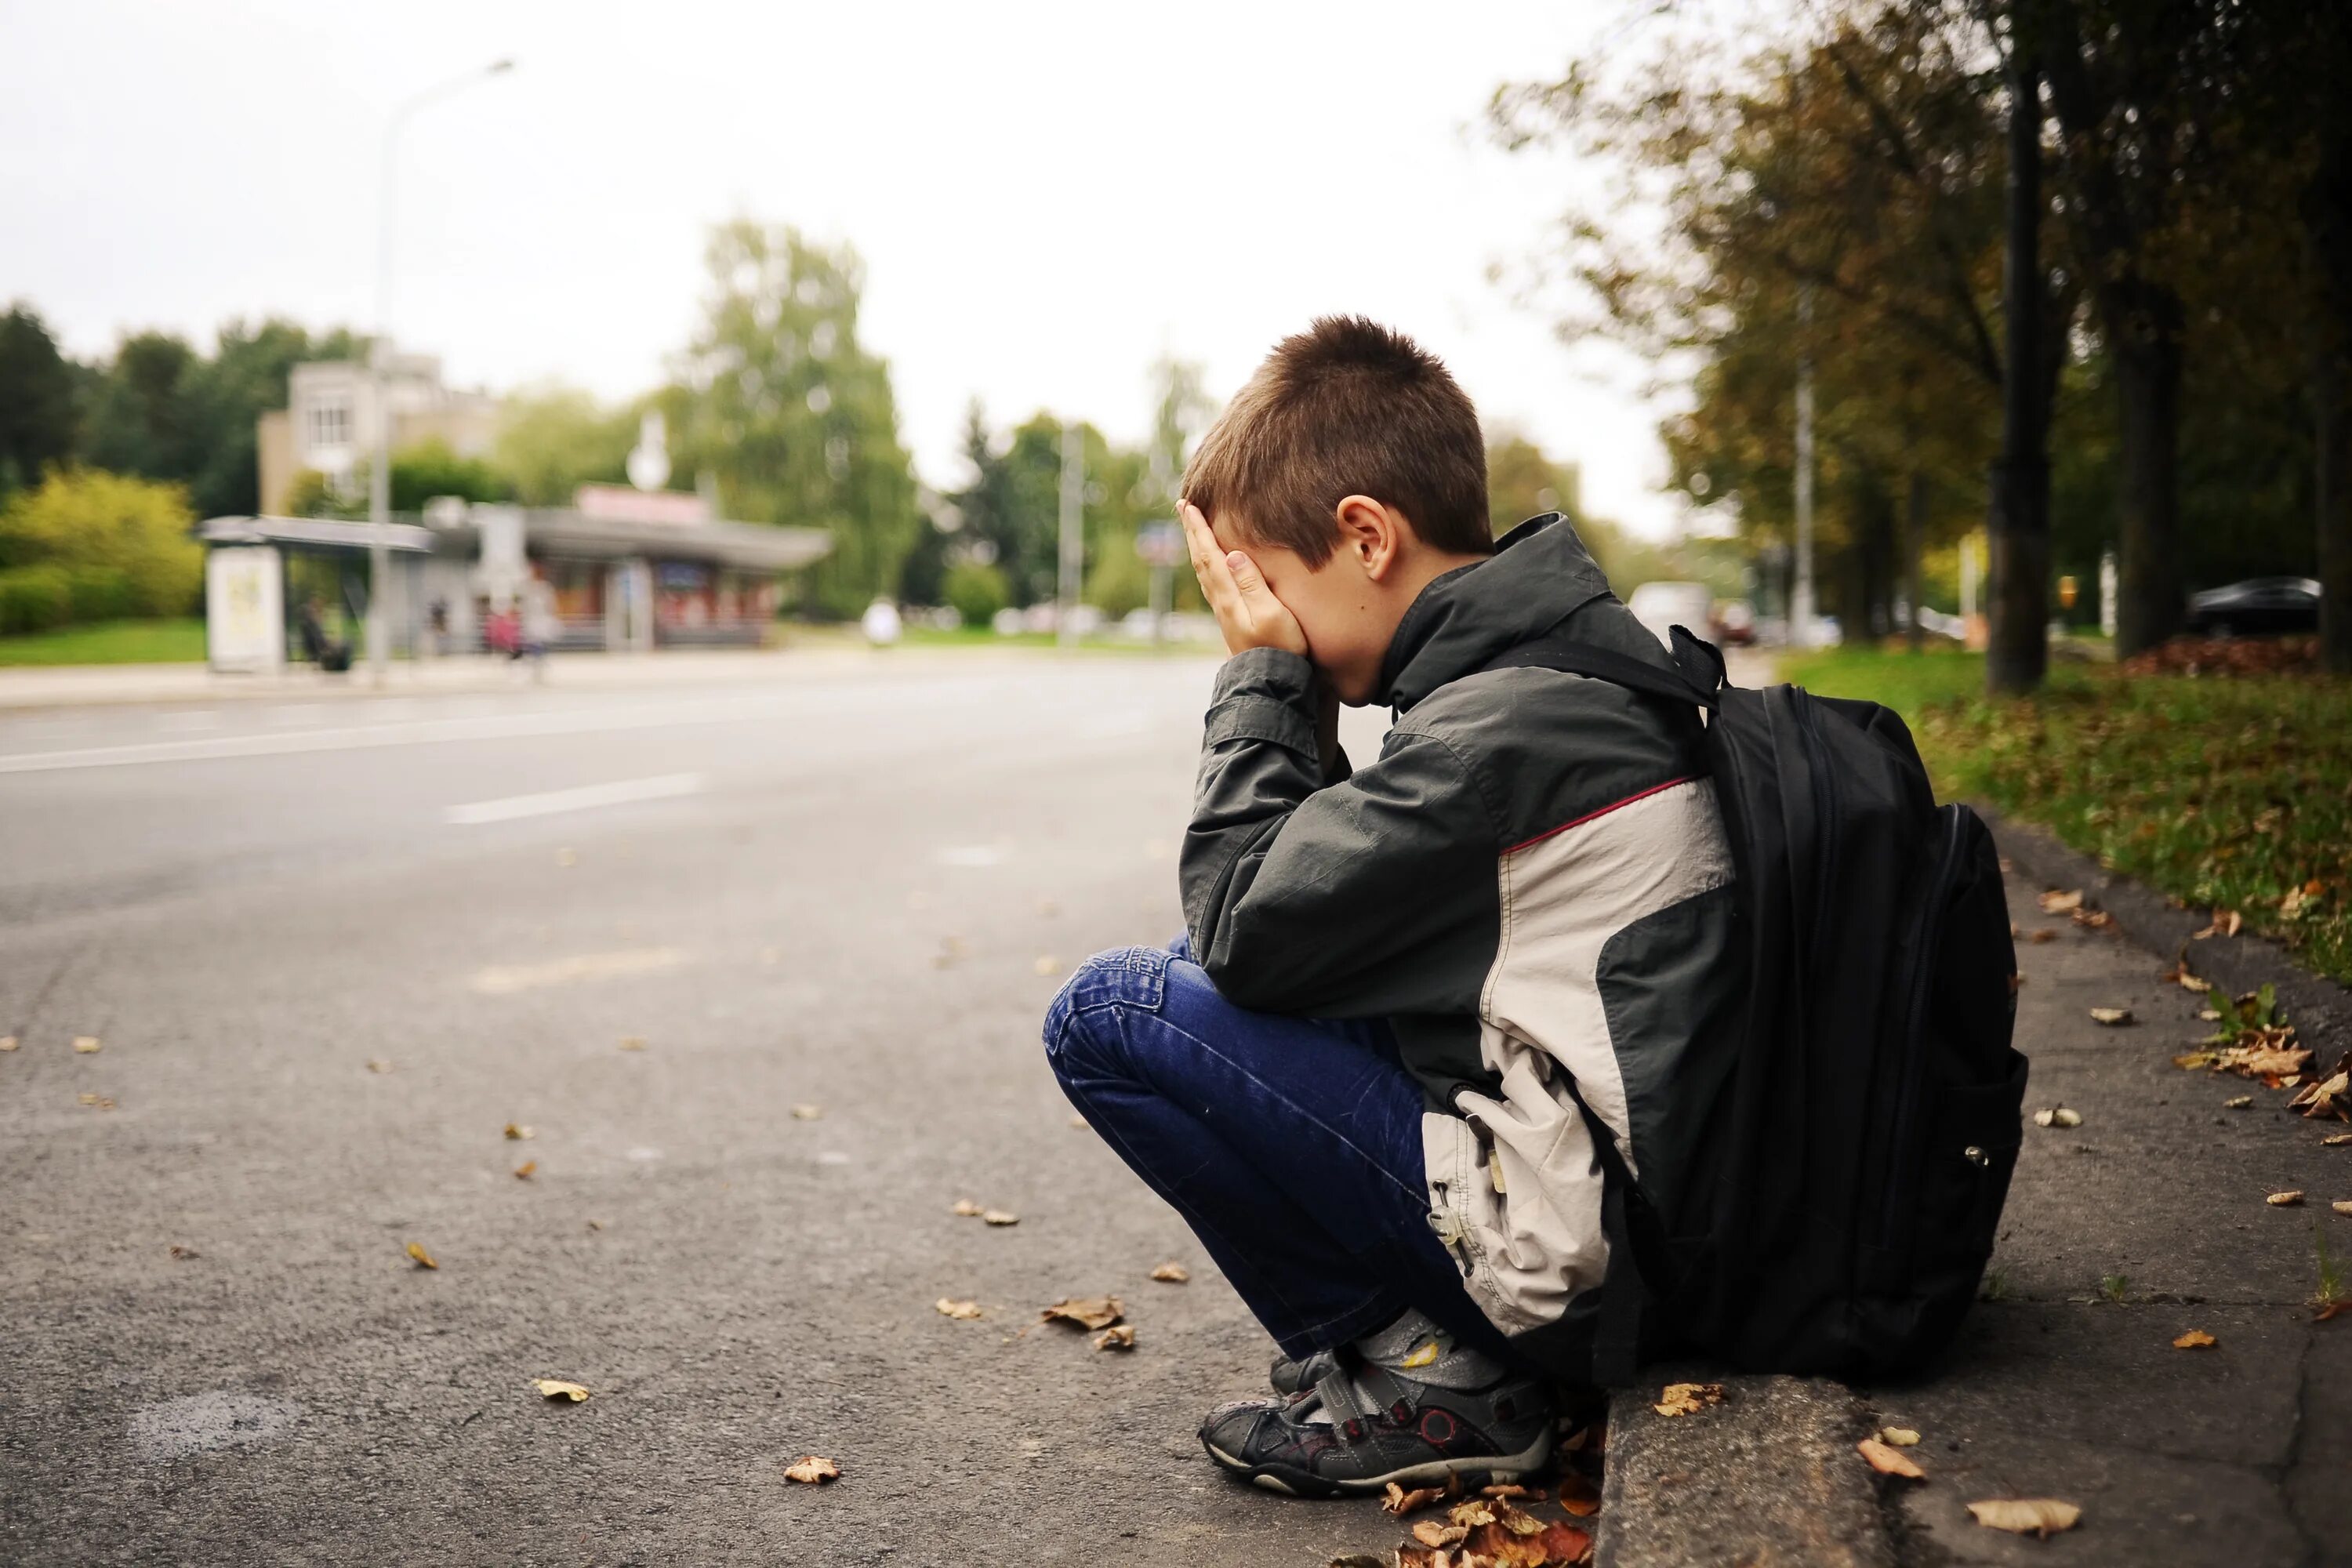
(1662, 606)
(2259, 606)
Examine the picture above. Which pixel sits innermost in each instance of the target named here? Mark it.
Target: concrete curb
(1769, 1477)
(2320, 1009)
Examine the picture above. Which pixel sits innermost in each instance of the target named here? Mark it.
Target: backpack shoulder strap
(1696, 677)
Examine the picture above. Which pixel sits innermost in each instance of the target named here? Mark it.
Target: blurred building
(630, 570)
(332, 411)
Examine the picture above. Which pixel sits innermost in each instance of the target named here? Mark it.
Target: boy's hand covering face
(1246, 610)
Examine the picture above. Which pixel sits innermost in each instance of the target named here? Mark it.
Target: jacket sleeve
(1340, 898)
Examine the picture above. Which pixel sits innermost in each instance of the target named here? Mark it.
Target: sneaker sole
(1292, 1481)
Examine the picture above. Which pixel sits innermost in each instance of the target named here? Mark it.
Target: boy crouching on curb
(1370, 1074)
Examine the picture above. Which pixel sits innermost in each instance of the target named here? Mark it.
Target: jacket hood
(1540, 573)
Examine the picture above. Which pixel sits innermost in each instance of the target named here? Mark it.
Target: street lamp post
(379, 628)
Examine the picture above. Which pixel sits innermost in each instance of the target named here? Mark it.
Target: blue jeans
(1291, 1146)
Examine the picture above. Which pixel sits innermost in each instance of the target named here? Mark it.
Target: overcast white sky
(1046, 195)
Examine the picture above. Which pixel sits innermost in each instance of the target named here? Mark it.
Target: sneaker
(1360, 1427)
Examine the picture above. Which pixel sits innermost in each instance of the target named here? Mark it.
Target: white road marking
(503, 980)
(662, 787)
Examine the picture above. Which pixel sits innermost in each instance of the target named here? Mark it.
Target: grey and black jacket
(1531, 882)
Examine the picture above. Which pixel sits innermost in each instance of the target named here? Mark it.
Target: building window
(327, 425)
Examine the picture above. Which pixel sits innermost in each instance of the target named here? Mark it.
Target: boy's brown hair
(1346, 407)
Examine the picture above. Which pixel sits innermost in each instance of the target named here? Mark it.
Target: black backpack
(1854, 1163)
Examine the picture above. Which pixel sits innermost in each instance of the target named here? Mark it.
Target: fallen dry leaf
(967, 1209)
(807, 1112)
(1429, 1533)
(1171, 1274)
(1510, 1491)
(2192, 982)
(2096, 920)
(811, 1470)
(2042, 934)
(2329, 1096)
(2194, 1339)
(1085, 1312)
(524, 1171)
(2291, 1198)
(964, 1309)
(377, 1064)
(2058, 1116)
(423, 1259)
(1475, 1511)
(87, 1045)
(516, 1129)
(632, 1042)
(2342, 1205)
(1047, 964)
(7, 1042)
(1079, 1123)
(1898, 1437)
(1889, 1461)
(1578, 1495)
(97, 1101)
(2026, 1516)
(185, 1253)
(2240, 1103)
(2054, 902)
(566, 858)
(556, 1388)
(1400, 1502)
(2114, 1017)
(1118, 1337)
(999, 1217)
(2332, 1309)
(2336, 1140)
(595, 1225)
(1688, 1398)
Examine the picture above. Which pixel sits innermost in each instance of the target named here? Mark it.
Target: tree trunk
(2143, 327)
(2331, 406)
(2018, 595)
(2327, 228)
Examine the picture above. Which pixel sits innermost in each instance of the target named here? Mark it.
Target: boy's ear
(1372, 535)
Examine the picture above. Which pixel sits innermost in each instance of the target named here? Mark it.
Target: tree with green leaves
(1832, 200)
(554, 439)
(781, 405)
(39, 426)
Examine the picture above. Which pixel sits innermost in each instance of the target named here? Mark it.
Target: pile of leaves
(2255, 1041)
(2235, 794)
(1492, 1530)
(2226, 656)
(1497, 1527)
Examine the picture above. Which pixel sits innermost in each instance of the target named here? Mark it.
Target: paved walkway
(2146, 1221)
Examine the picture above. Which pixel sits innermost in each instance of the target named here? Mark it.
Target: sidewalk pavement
(2146, 1221)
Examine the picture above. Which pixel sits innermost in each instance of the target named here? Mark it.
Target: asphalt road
(853, 890)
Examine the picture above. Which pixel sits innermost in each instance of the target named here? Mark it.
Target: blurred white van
(1662, 606)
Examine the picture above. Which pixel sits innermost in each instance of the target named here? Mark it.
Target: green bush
(100, 593)
(34, 599)
(121, 545)
(977, 592)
